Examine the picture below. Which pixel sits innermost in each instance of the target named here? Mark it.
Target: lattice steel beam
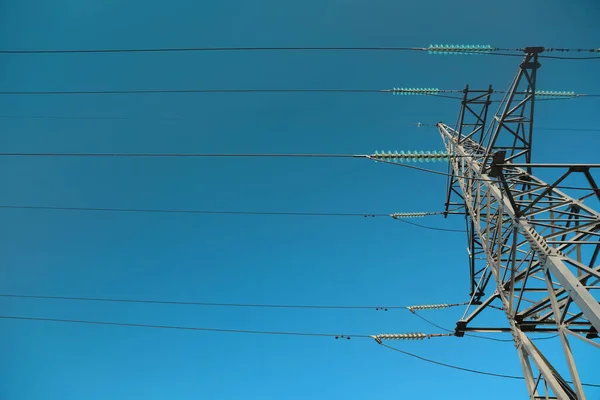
(539, 245)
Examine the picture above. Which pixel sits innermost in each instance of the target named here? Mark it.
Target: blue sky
(252, 259)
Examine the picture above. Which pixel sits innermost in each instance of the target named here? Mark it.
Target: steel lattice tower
(536, 243)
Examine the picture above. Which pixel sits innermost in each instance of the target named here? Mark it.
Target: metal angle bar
(580, 314)
(570, 242)
(541, 305)
(547, 165)
(578, 236)
(578, 336)
(532, 81)
(540, 223)
(461, 117)
(579, 232)
(475, 131)
(506, 102)
(592, 182)
(479, 309)
(543, 366)
(554, 207)
(562, 220)
(548, 190)
(528, 373)
(590, 271)
(548, 200)
(548, 316)
(544, 303)
(513, 271)
(594, 256)
(565, 311)
(524, 283)
(517, 155)
(559, 193)
(563, 338)
(526, 329)
(520, 104)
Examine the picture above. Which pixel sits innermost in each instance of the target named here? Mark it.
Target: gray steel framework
(533, 249)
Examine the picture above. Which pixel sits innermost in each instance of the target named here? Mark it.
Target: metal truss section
(539, 245)
(472, 120)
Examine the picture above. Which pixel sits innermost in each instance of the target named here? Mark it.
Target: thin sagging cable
(496, 52)
(469, 369)
(73, 117)
(440, 95)
(255, 155)
(256, 332)
(180, 155)
(432, 49)
(474, 371)
(185, 328)
(210, 212)
(205, 304)
(205, 49)
(432, 92)
(151, 117)
(184, 91)
(207, 155)
(202, 212)
(430, 227)
(450, 365)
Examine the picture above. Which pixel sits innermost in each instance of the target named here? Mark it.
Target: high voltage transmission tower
(533, 249)
(537, 244)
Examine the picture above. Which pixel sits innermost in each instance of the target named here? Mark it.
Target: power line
(180, 118)
(474, 371)
(432, 49)
(244, 331)
(70, 117)
(186, 328)
(255, 155)
(204, 304)
(206, 49)
(174, 155)
(452, 366)
(256, 332)
(431, 227)
(206, 212)
(183, 91)
(224, 91)
(414, 91)
(211, 212)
